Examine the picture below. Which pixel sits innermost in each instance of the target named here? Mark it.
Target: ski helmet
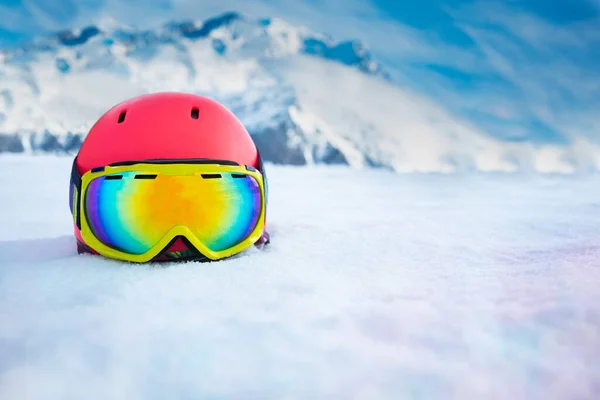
(166, 125)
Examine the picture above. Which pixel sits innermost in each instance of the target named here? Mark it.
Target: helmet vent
(195, 113)
(122, 117)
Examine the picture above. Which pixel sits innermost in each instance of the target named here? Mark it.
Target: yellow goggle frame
(182, 168)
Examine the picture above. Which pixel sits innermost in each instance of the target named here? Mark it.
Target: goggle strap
(76, 181)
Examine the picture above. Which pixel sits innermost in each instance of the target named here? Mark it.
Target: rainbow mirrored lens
(132, 211)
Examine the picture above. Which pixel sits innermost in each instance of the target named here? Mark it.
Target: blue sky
(522, 70)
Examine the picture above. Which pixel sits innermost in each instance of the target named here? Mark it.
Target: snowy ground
(376, 286)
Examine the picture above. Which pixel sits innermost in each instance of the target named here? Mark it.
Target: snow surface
(376, 285)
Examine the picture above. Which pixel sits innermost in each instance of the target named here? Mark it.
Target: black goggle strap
(263, 172)
(75, 194)
(261, 169)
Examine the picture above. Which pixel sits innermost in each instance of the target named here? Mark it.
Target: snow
(313, 127)
(376, 285)
(409, 132)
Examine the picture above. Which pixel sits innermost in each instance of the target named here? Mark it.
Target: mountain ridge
(77, 50)
(305, 97)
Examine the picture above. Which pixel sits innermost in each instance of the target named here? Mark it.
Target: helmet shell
(168, 125)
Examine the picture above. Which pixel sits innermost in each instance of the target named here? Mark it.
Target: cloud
(560, 86)
(540, 74)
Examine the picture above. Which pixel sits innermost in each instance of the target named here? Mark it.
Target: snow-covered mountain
(305, 97)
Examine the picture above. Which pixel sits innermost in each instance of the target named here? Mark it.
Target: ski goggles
(134, 210)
